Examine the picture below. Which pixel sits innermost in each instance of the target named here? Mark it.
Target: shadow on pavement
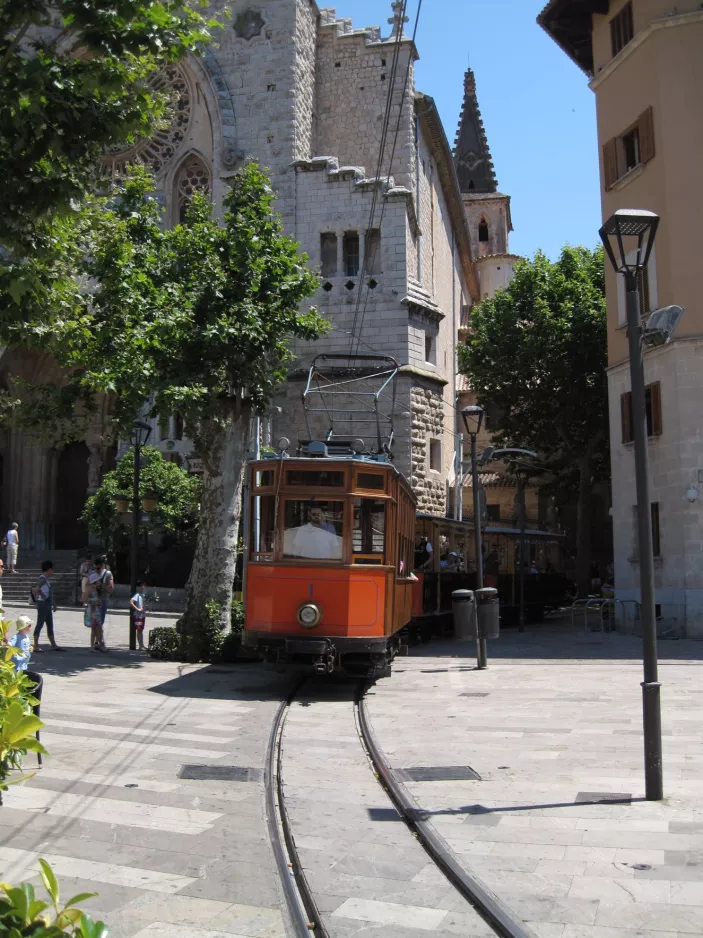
(555, 641)
(72, 661)
(226, 682)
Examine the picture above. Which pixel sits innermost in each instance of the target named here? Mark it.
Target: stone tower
(487, 209)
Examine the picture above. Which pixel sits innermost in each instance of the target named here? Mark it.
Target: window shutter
(626, 416)
(645, 125)
(656, 392)
(610, 163)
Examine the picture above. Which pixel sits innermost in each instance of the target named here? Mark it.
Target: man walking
(43, 596)
(103, 583)
(13, 542)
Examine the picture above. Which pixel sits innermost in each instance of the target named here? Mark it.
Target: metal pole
(481, 655)
(651, 705)
(135, 546)
(521, 496)
(459, 478)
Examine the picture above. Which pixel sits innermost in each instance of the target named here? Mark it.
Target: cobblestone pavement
(552, 728)
(169, 857)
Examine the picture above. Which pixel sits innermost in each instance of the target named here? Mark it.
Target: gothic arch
(483, 229)
(192, 175)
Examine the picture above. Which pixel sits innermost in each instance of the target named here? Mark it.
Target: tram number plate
(306, 648)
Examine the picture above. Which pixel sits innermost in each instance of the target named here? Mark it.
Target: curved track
(304, 915)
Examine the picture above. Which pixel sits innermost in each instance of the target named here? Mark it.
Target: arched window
(483, 230)
(193, 177)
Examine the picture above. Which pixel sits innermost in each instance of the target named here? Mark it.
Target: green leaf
(50, 882)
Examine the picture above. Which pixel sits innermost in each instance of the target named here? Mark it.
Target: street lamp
(473, 420)
(141, 432)
(640, 227)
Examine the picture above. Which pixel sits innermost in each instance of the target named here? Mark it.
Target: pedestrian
(91, 616)
(2, 570)
(104, 585)
(43, 596)
(12, 541)
(86, 565)
(137, 605)
(22, 642)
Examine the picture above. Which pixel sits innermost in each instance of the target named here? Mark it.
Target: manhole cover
(475, 694)
(438, 773)
(603, 797)
(221, 773)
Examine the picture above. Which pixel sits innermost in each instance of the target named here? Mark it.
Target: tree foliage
(72, 84)
(176, 491)
(536, 359)
(196, 320)
(537, 356)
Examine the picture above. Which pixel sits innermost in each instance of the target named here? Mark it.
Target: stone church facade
(305, 93)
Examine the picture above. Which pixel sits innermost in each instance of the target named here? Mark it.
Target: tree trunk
(224, 450)
(583, 528)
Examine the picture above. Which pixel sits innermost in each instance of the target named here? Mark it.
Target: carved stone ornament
(470, 160)
(157, 151)
(248, 24)
(231, 156)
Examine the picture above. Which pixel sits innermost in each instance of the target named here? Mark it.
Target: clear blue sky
(537, 108)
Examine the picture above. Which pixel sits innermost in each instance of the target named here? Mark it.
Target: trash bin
(464, 610)
(488, 612)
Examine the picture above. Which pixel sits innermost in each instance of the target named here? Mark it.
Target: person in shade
(43, 596)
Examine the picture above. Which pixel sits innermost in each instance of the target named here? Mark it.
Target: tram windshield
(313, 529)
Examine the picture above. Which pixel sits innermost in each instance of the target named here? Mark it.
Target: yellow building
(644, 62)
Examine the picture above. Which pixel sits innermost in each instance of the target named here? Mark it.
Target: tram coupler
(324, 664)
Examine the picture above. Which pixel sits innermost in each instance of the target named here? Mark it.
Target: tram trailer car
(328, 566)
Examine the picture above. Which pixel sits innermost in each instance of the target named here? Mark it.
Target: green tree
(537, 355)
(72, 84)
(196, 320)
(176, 491)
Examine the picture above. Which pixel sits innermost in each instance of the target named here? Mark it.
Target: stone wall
(427, 425)
(353, 74)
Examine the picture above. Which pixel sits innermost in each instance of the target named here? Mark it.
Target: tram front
(326, 579)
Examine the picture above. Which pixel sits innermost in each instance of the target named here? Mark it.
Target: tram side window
(369, 534)
(263, 516)
(313, 529)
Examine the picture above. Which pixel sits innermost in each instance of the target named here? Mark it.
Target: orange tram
(330, 555)
(328, 566)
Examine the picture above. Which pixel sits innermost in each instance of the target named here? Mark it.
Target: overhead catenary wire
(381, 154)
(390, 168)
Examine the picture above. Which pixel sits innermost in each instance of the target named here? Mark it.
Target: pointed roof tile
(472, 156)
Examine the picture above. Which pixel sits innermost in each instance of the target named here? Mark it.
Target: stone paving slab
(168, 857)
(561, 718)
(368, 873)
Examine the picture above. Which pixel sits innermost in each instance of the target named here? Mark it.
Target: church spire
(472, 156)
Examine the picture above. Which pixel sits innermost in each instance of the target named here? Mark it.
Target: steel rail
(304, 914)
(498, 915)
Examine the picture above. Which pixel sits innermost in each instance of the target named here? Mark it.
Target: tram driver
(316, 540)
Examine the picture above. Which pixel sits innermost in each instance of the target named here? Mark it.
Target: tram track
(304, 915)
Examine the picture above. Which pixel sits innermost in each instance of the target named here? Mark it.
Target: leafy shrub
(17, 722)
(164, 643)
(23, 915)
(237, 617)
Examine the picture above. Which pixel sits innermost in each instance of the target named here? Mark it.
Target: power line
(381, 153)
(390, 164)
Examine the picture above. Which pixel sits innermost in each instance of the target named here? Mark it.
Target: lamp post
(642, 227)
(473, 420)
(140, 434)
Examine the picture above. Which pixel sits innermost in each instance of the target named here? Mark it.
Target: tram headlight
(309, 615)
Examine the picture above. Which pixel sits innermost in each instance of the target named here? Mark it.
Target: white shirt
(312, 542)
(12, 537)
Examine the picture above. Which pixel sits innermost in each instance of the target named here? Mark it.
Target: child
(21, 641)
(137, 605)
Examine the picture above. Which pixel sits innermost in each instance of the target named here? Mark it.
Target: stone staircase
(16, 586)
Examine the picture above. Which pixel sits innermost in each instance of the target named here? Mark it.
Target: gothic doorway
(71, 494)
